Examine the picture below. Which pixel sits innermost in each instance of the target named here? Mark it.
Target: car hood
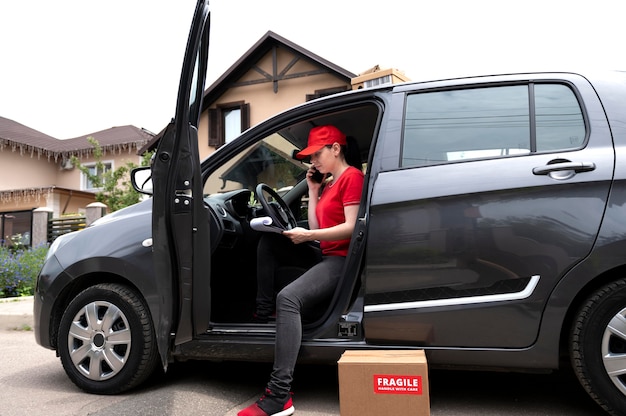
(124, 233)
(140, 208)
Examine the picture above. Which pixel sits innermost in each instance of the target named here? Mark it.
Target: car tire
(598, 346)
(106, 341)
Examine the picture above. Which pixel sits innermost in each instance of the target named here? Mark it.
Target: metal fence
(60, 226)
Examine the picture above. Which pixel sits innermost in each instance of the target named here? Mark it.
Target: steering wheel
(275, 207)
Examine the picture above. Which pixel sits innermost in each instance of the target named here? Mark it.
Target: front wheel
(598, 346)
(106, 342)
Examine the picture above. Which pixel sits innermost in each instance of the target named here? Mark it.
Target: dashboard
(230, 215)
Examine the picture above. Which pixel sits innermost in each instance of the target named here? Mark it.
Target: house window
(94, 170)
(378, 81)
(15, 228)
(232, 124)
(227, 121)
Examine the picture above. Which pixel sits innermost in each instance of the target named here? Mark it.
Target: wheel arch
(584, 290)
(81, 282)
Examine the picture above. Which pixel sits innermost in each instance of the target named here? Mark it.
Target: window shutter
(216, 138)
(245, 116)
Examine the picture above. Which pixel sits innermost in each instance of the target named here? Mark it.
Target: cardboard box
(383, 382)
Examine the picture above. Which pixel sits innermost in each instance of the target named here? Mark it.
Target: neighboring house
(37, 173)
(376, 76)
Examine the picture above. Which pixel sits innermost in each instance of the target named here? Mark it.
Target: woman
(331, 217)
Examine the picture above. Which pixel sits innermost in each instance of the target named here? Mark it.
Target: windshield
(269, 161)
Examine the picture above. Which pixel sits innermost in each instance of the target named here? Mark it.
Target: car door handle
(561, 166)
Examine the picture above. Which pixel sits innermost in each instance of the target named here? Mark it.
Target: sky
(74, 67)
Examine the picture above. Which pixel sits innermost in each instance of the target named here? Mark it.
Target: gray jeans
(316, 285)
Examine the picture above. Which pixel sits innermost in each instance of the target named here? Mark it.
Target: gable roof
(18, 137)
(263, 46)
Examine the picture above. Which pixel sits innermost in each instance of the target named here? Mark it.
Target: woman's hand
(298, 235)
(312, 183)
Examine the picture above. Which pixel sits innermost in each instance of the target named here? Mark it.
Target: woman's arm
(312, 207)
(338, 232)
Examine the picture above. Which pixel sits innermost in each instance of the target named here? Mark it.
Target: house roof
(116, 139)
(39, 192)
(18, 133)
(263, 46)
(18, 137)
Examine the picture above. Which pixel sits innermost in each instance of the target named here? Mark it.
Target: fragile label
(397, 384)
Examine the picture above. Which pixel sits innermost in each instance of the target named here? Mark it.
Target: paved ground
(16, 313)
(33, 376)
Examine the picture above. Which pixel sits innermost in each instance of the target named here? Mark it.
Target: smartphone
(317, 176)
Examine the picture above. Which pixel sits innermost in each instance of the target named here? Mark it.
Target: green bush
(19, 268)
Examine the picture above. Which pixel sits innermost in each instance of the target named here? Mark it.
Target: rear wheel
(598, 346)
(106, 340)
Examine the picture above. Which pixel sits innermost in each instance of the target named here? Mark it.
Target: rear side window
(559, 120)
(447, 126)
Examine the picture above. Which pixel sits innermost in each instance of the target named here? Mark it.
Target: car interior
(230, 193)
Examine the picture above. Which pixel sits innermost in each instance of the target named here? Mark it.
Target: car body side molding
(504, 297)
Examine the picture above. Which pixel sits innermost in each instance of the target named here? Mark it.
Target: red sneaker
(269, 405)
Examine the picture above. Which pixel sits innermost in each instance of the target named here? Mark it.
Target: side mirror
(141, 178)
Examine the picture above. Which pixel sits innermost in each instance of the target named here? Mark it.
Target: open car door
(180, 221)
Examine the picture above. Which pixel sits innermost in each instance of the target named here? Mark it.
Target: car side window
(560, 123)
(449, 126)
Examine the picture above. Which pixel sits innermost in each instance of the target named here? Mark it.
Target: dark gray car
(491, 234)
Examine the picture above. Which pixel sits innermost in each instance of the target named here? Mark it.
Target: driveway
(34, 382)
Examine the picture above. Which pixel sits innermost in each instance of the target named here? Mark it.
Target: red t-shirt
(344, 192)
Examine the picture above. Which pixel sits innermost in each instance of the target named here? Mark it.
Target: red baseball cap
(319, 137)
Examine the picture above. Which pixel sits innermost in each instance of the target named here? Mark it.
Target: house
(273, 75)
(377, 76)
(37, 173)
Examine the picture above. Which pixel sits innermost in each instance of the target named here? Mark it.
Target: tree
(114, 187)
